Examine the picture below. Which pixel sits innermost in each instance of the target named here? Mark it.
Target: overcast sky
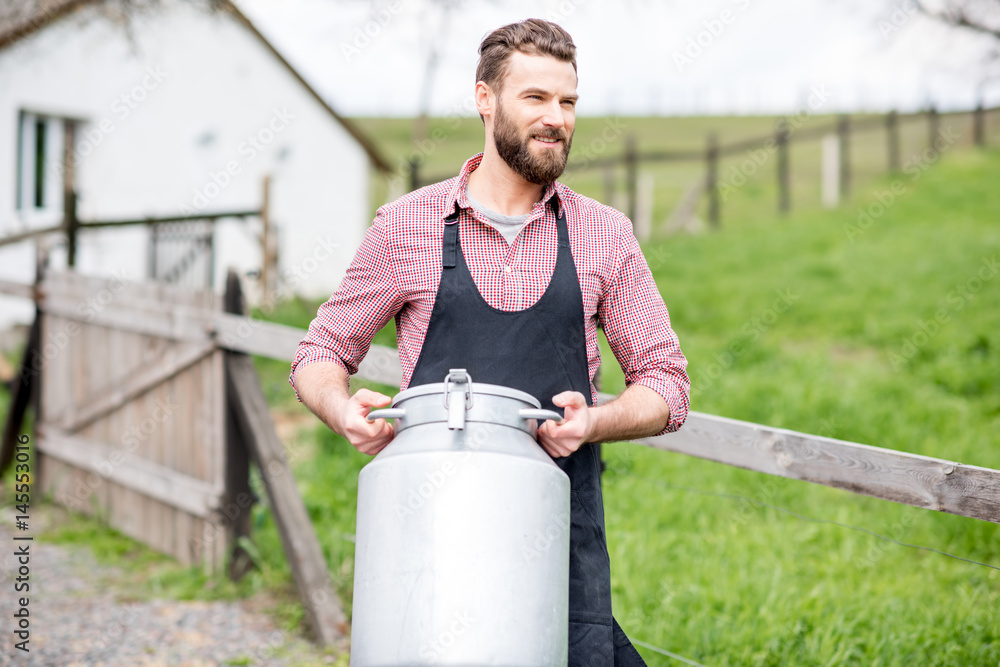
(642, 56)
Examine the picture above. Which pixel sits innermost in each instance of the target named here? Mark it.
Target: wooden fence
(132, 422)
(181, 247)
(150, 409)
(851, 134)
(146, 420)
(912, 479)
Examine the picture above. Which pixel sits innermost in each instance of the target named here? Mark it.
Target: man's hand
(367, 437)
(566, 437)
(637, 413)
(323, 388)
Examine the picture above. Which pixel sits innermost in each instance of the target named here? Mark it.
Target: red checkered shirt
(396, 272)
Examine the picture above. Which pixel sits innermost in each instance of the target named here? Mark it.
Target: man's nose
(553, 116)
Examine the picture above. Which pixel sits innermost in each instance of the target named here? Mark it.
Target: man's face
(536, 116)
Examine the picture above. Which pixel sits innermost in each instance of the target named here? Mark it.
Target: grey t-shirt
(509, 226)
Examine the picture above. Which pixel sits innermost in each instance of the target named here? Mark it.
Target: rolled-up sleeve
(637, 325)
(366, 299)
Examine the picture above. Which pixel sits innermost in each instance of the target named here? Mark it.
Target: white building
(179, 107)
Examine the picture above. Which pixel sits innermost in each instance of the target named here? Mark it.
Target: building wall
(187, 115)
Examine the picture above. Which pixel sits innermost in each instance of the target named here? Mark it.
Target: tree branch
(956, 16)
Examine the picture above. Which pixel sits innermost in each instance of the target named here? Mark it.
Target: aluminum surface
(462, 547)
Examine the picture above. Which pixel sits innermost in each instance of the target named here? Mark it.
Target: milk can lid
(475, 388)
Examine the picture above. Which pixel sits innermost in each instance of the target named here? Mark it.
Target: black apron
(541, 350)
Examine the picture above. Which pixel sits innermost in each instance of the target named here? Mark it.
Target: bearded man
(507, 273)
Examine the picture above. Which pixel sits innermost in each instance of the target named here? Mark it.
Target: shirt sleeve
(637, 325)
(366, 299)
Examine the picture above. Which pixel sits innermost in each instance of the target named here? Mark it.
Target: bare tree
(445, 8)
(982, 16)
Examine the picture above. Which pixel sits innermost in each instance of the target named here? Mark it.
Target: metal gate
(182, 253)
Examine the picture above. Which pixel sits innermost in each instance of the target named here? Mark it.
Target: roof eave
(373, 153)
(376, 157)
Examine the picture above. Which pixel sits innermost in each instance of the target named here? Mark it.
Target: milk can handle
(531, 413)
(389, 413)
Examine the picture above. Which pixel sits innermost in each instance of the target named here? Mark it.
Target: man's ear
(485, 99)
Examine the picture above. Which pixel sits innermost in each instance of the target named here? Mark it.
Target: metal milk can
(462, 548)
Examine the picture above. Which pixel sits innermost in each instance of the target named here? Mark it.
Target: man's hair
(532, 37)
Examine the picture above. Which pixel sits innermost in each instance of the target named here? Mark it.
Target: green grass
(729, 581)
(450, 141)
(706, 562)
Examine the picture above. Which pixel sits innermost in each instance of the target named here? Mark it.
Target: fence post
(72, 226)
(933, 121)
(265, 219)
(609, 183)
(844, 132)
(781, 139)
(712, 179)
(978, 130)
(414, 174)
(151, 265)
(631, 175)
(830, 176)
(237, 456)
(70, 220)
(892, 128)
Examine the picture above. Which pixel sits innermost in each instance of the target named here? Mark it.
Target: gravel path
(79, 617)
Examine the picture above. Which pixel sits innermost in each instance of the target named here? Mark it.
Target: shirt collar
(459, 196)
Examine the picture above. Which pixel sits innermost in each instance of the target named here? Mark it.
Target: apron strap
(561, 227)
(449, 251)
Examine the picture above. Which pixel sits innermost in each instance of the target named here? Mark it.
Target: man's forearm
(637, 413)
(324, 388)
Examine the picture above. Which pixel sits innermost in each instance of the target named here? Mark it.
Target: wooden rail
(902, 477)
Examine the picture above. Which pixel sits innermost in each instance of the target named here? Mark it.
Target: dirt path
(80, 616)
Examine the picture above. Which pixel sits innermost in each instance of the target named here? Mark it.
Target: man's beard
(515, 150)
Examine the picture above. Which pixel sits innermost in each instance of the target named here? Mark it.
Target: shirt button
(506, 269)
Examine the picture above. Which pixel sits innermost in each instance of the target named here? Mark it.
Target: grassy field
(747, 178)
(889, 335)
(730, 567)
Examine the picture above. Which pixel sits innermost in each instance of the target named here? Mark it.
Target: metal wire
(667, 653)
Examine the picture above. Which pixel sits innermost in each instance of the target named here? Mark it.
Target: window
(39, 166)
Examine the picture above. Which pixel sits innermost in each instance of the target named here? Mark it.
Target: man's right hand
(324, 389)
(367, 437)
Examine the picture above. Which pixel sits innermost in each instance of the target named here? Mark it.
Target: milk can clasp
(455, 381)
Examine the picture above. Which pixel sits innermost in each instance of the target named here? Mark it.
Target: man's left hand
(564, 438)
